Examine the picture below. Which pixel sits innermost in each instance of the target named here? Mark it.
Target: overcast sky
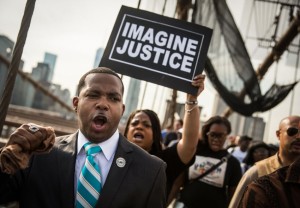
(71, 29)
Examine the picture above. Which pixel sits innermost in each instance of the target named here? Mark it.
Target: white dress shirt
(103, 159)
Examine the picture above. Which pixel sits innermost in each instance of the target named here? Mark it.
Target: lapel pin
(120, 162)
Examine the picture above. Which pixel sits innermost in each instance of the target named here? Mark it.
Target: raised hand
(23, 142)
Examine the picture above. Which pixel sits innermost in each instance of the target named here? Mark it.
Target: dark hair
(214, 120)
(249, 160)
(273, 148)
(156, 129)
(245, 138)
(180, 121)
(100, 70)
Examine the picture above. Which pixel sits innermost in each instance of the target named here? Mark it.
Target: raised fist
(23, 142)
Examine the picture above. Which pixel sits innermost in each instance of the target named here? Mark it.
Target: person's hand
(198, 82)
(33, 138)
(23, 142)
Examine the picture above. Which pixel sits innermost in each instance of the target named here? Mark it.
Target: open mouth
(296, 144)
(138, 136)
(100, 120)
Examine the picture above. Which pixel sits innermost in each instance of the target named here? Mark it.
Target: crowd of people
(184, 165)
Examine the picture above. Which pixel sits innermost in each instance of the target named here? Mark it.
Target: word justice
(166, 49)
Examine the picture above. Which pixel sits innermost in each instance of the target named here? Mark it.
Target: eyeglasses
(292, 131)
(216, 135)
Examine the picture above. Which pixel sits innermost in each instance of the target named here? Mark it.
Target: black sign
(158, 49)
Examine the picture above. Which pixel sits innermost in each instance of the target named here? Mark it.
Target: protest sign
(157, 49)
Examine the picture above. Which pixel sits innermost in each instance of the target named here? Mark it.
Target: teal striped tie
(89, 183)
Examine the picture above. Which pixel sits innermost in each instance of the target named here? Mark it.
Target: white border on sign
(150, 69)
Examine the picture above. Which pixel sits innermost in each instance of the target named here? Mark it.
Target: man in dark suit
(130, 177)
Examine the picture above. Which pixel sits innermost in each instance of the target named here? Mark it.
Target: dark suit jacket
(49, 180)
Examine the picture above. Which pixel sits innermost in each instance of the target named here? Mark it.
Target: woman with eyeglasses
(216, 188)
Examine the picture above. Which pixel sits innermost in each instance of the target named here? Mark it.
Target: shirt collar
(108, 147)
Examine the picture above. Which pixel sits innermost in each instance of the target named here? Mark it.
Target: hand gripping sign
(157, 49)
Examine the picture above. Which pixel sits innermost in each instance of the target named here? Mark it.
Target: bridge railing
(18, 115)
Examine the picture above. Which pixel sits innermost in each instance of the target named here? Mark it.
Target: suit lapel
(116, 173)
(66, 162)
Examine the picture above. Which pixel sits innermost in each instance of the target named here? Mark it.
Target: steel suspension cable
(16, 58)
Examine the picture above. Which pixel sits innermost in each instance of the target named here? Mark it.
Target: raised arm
(191, 123)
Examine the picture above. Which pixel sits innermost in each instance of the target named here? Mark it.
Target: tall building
(98, 57)
(6, 48)
(6, 52)
(27, 96)
(62, 94)
(50, 59)
(255, 127)
(22, 91)
(131, 102)
(41, 72)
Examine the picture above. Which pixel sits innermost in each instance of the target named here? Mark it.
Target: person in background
(289, 141)
(175, 135)
(273, 148)
(275, 190)
(178, 124)
(125, 175)
(165, 131)
(258, 151)
(240, 151)
(216, 188)
(172, 138)
(143, 129)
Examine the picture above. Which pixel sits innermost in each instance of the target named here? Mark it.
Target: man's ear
(278, 133)
(75, 103)
(123, 109)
